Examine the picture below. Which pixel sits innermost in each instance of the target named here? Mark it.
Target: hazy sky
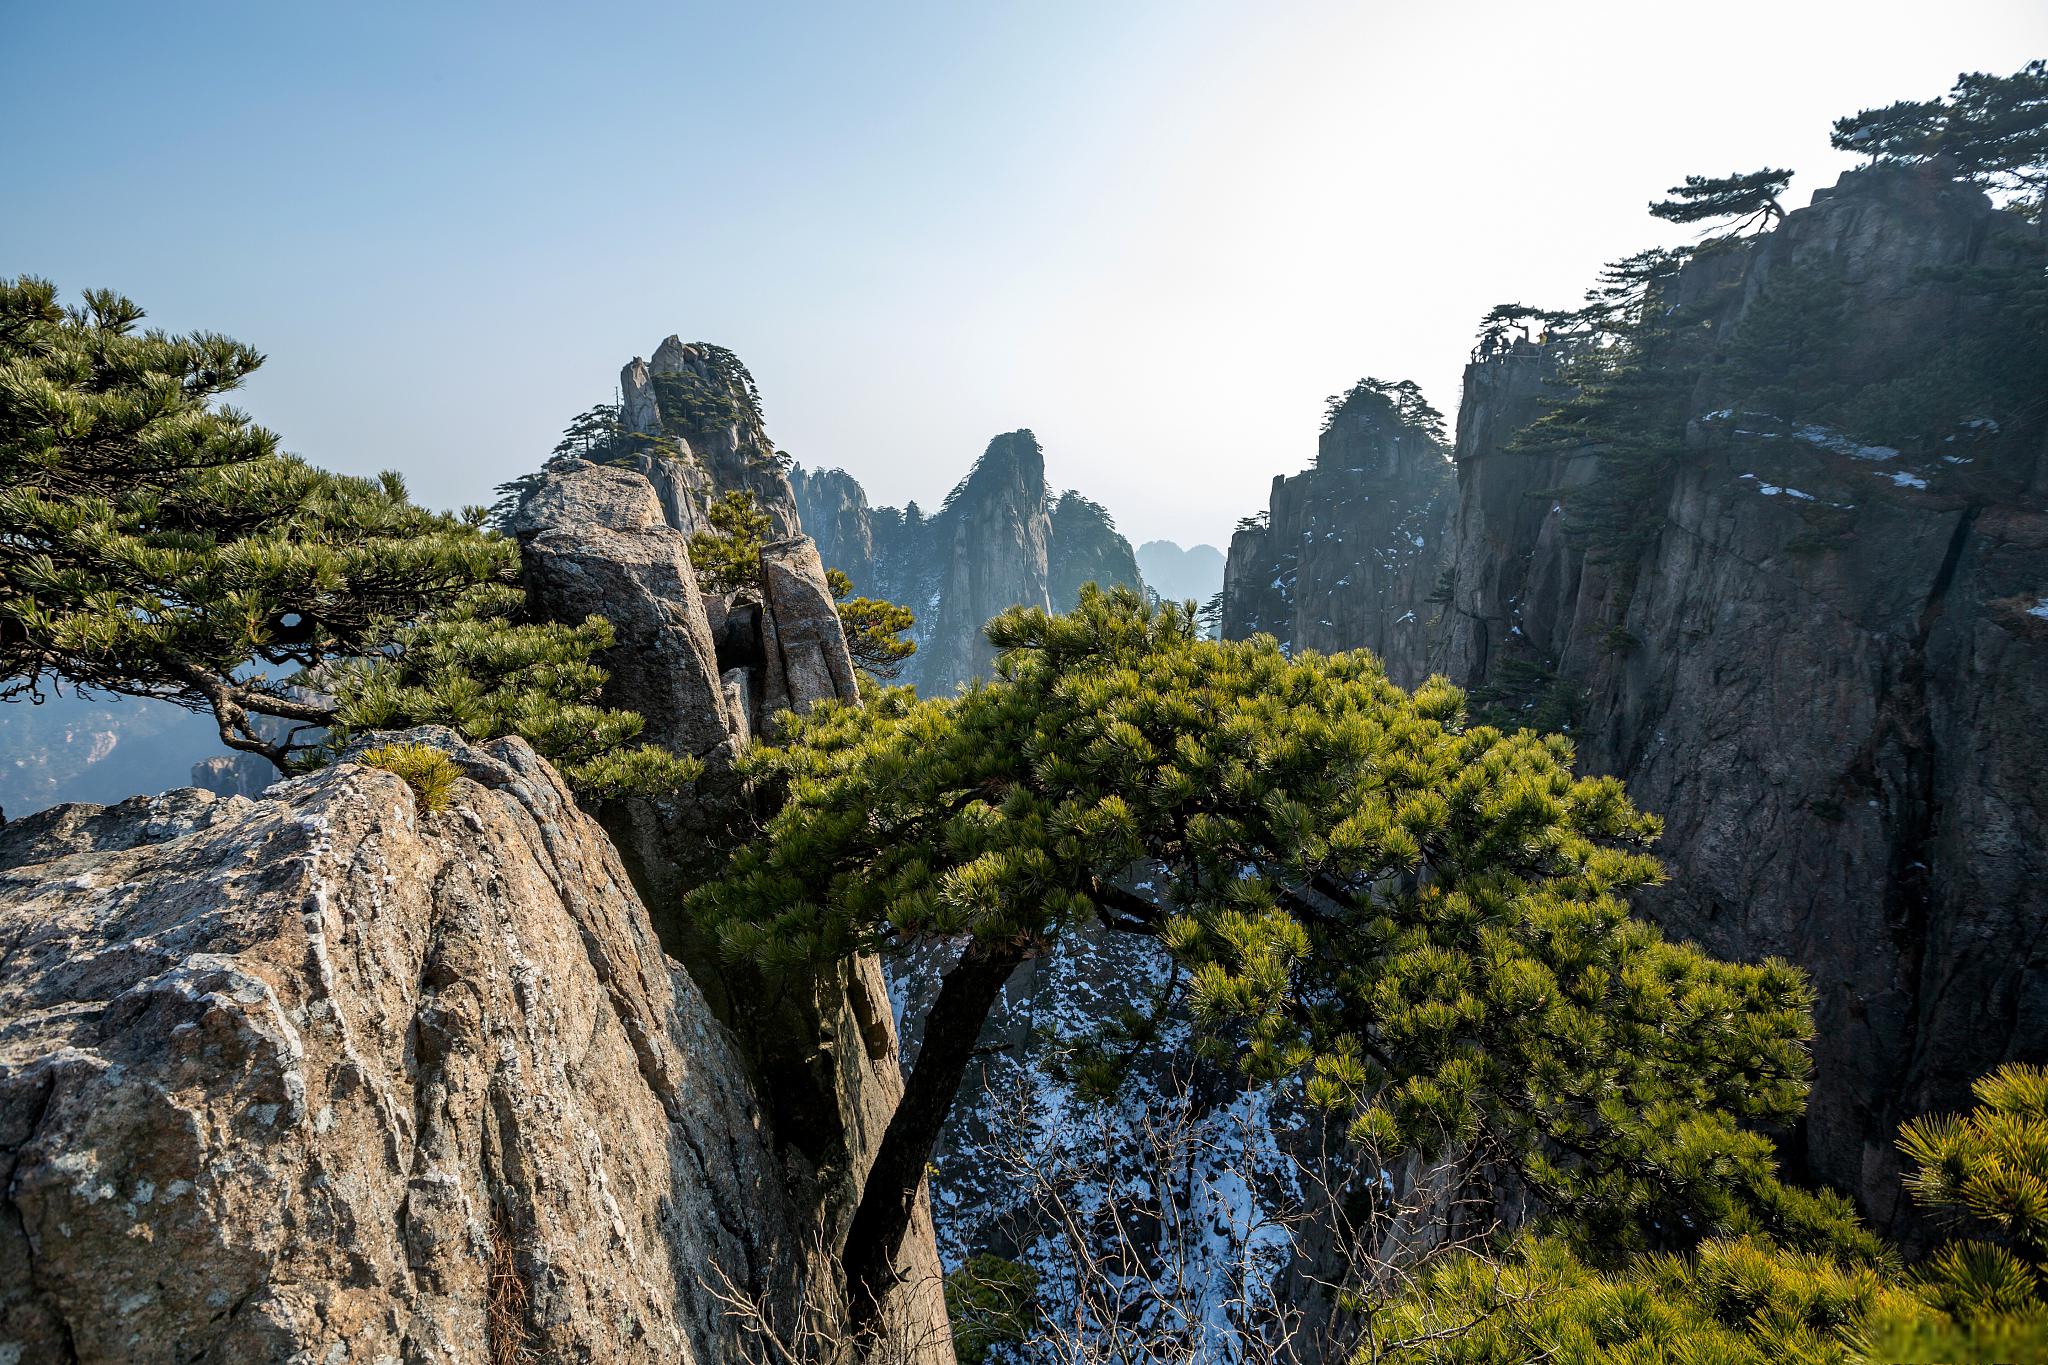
(1157, 233)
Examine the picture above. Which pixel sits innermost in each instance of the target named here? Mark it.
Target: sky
(1157, 232)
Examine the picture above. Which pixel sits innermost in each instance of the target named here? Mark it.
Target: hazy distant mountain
(1001, 539)
(101, 750)
(1177, 574)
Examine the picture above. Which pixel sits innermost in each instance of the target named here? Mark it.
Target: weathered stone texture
(324, 1076)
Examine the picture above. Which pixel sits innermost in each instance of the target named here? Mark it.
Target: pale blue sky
(1158, 233)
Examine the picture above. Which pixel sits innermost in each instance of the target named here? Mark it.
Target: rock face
(836, 517)
(702, 398)
(325, 1076)
(594, 542)
(1826, 668)
(1347, 553)
(709, 672)
(1000, 540)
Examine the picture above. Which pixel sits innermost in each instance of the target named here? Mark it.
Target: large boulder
(327, 1076)
(595, 541)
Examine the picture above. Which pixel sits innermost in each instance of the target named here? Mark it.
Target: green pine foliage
(1400, 401)
(723, 394)
(1990, 1165)
(1755, 1298)
(1747, 199)
(1990, 130)
(154, 543)
(1425, 919)
(1738, 1301)
(728, 557)
(595, 436)
(481, 670)
(430, 773)
(873, 628)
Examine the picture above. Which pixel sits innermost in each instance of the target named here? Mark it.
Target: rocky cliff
(710, 672)
(1821, 657)
(323, 1075)
(1001, 539)
(1346, 554)
(329, 1076)
(702, 404)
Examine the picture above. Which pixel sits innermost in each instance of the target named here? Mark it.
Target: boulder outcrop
(327, 1076)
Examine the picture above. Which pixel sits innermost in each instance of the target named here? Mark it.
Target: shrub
(429, 772)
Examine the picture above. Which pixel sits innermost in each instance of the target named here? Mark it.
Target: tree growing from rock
(1402, 400)
(1424, 920)
(1745, 200)
(154, 543)
(595, 435)
(874, 629)
(1990, 130)
(728, 557)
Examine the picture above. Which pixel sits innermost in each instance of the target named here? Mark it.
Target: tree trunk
(951, 1031)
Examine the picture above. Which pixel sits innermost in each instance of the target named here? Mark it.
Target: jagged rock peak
(834, 510)
(999, 540)
(704, 404)
(1013, 464)
(1348, 551)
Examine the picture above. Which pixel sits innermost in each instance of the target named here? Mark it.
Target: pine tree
(728, 557)
(595, 436)
(1502, 320)
(1400, 400)
(1424, 919)
(1990, 130)
(1822, 1290)
(478, 668)
(154, 543)
(1749, 198)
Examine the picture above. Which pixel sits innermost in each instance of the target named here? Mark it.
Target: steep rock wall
(709, 672)
(1827, 669)
(1347, 553)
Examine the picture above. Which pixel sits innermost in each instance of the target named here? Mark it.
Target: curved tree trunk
(951, 1031)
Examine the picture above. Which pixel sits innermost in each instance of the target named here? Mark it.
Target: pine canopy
(1423, 918)
(155, 543)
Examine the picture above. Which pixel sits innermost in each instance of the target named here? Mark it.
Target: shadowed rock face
(326, 1072)
(1827, 671)
(1348, 551)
